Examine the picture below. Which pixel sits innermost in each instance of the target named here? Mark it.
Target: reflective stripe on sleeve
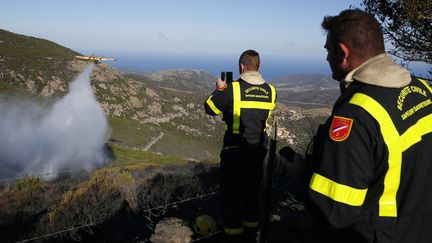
(425, 84)
(273, 90)
(338, 192)
(236, 106)
(414, 134)
(233, 231)
(212, 106)
(251, 224)
(273, 93)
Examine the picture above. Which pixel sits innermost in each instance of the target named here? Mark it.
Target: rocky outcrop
(53, 86)
(172, 230)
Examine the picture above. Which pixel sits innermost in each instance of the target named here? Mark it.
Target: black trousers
(241, 170)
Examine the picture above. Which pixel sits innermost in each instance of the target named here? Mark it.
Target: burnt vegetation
(111, 204)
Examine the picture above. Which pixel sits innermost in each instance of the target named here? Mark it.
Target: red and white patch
(340, 128)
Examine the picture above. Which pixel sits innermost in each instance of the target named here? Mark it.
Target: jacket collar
(252, 77)
(380, 70)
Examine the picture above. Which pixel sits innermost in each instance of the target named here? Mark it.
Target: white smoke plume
(69, 135)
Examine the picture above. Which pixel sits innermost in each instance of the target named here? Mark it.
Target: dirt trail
(153, 141)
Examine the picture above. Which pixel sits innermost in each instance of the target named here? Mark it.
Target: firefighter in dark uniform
(246, 106)
(372, 159)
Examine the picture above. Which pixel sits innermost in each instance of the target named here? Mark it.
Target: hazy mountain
(306, 82)
(182, 79)
(307, 91)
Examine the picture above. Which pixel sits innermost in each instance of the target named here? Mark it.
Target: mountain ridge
(183, 79)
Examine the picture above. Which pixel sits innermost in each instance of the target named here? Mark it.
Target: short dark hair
(250, 59)
(357, 29)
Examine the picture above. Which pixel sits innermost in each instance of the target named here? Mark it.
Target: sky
(173, 33)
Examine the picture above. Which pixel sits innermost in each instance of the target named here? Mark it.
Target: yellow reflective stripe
(257, 105)
(387, 201)
(338, 192)
(273, 90)
(251, 224)
(396, 144)
(233, 231)
(236, 106)
(425, 84)
(268, 117)
(414, 134)
(212, 105)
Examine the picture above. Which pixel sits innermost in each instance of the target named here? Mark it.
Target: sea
(272, 68)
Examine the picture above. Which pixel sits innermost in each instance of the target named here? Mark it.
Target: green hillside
(30, 62)
(19, 51)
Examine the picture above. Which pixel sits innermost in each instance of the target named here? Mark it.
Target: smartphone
(227, 76)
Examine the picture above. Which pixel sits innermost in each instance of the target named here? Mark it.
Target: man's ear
(242, 68)
(346, 58)
(345, 50)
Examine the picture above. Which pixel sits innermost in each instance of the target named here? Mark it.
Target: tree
(407, 25)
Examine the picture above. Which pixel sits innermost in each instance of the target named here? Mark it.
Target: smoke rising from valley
(68, 135)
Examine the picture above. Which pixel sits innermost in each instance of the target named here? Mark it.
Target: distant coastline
(272, 68)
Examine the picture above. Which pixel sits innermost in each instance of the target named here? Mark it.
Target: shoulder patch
(340, 128)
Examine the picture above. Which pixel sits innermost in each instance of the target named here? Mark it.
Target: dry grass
(34, 207)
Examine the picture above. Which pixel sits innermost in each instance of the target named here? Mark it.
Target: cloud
(164, 37)
(290, 43)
